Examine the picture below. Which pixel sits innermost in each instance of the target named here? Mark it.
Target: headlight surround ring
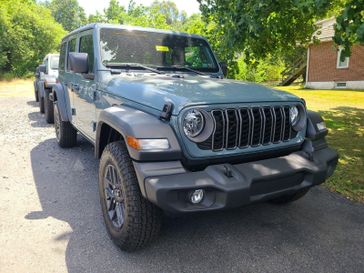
(297, 117)
(193, 123)
(197, 125)
(293, 115)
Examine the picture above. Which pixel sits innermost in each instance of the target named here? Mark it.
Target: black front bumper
(234, 185)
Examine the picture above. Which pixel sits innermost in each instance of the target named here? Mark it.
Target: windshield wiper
(132, 65)
(186, 68)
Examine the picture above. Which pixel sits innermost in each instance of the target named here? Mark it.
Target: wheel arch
(105, 135)
(119, 122)
(61, 97)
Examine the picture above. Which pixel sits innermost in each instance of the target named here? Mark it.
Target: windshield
(54, 62)
(158, 50)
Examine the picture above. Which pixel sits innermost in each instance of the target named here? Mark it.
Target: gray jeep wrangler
(173, 135)
(45, 78)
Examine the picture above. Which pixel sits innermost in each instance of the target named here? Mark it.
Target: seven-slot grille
(249, 127)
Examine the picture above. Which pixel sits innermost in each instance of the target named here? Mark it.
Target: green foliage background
(257, 39)
(27, 33)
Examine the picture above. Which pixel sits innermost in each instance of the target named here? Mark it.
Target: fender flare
(128, 121)
(312, 131)
(61, 97)
(35, 85)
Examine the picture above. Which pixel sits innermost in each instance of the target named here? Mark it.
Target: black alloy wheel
(114, 197)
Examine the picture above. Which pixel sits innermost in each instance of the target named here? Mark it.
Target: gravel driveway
(50, 219)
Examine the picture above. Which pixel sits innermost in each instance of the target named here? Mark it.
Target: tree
(96, 18)
(259, 28)
(27, 33)
(68, 13)
(168, 9)
(115, 13)
(349, 28)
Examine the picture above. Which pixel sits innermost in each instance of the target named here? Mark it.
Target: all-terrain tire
(290, 198)
(48, 108)
(36, 92)
(41, 105)
(66, 134)
(142, 219)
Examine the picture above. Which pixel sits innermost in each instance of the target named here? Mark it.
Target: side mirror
(42, 68)
(37, 73)
(78, 62)
(224, 68)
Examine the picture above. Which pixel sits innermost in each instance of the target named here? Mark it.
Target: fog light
(196, 196)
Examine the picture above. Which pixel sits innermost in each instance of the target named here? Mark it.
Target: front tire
(131, 221)
(48, 108)
(65, 133)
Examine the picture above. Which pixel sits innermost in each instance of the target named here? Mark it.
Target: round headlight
(193, 123)
(293, 115)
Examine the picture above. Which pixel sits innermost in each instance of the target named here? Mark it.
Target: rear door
(84, 94)
(68, 78)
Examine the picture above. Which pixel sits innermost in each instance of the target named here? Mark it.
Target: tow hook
(227, 171)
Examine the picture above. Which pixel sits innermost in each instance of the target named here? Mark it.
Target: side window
(196, 57)
(62, 57)
(87, 46)
(71, 48)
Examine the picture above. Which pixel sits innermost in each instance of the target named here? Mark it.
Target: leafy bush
(27, 33)
(268, 69)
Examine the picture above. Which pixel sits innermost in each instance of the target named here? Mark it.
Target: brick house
(325, 70)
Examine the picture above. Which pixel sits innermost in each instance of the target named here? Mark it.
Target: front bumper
(168, 185)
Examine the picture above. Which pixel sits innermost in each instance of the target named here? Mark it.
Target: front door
(85, 90)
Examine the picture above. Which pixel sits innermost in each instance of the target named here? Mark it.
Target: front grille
(249, 127)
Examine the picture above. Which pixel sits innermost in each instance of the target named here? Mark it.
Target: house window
(342, 63)
(341, 85)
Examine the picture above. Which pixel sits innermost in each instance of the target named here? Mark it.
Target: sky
(91, 6)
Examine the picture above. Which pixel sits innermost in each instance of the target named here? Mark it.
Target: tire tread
(143, 218)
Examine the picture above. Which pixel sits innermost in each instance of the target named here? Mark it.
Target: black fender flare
(312, 131)
(35, 83)
(128, 121)
(61, 97)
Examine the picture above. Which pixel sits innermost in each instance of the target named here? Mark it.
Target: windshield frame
(217, 69)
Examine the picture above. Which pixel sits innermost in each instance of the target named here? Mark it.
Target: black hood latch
(166, 111)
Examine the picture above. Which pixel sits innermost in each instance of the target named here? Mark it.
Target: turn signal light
(148, 143)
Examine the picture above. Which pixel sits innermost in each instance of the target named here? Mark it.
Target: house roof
(325, 30)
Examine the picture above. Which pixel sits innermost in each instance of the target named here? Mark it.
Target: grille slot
(219, 134)
(249, 127)
(245, 127)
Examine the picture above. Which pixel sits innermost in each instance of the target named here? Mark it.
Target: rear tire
(41, 104)
(66, 134)
(285, 199)
(48, 108)
(131, 221)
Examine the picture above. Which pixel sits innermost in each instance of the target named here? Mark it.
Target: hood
(155, 90)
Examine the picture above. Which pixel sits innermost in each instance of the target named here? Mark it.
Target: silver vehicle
(45, 78)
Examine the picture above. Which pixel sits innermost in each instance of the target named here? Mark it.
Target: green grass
(343, 111)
